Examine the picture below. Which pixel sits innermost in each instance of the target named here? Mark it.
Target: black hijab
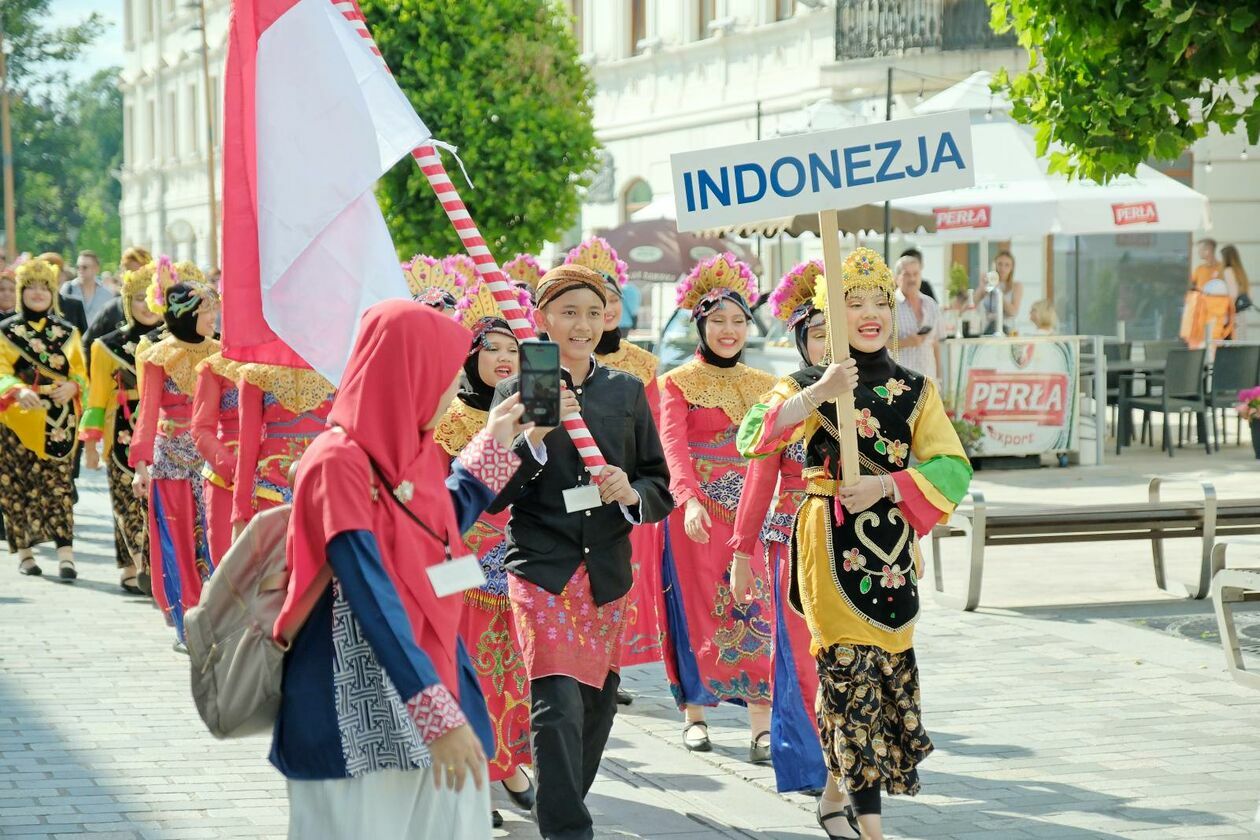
(709, 304)
(476, 393)
(182, 302)
(609, 342)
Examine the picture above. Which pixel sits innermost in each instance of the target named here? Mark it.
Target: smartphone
(540, 382)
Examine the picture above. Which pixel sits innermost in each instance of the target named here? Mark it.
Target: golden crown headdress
(862, 269)
(596, 254)
(795, 291)
(431, 280)
(463, 266)
(36, 272)
(524, 269)
(478, 304)
(137, 280)
(711, 277)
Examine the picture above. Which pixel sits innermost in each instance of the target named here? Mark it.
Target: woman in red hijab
(380, 701)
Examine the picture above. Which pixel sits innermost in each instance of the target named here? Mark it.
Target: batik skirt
(717, 648)
(179, 551)
(869, 717)
(490, 637)
(36, 495)
(131, 520)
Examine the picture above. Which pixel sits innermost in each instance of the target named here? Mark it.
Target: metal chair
(1183, 390)
(1117, 352)
(1157, 351)
(1236, 368)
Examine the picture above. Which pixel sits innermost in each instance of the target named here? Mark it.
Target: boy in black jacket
(569, 563)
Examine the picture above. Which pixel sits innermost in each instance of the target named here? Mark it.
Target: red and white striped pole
(426, 157)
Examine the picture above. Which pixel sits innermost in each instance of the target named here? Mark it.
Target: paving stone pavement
(1049, 721)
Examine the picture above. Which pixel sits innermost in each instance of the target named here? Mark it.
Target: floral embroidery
(56, 332)
(853, 560)
(892, 578)
(124, 437)
(38, 346)
(56, 360)
(892, 389)
(405, 492)
(867, 425)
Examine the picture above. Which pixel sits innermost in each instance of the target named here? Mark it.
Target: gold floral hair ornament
(525, 270)
(434, 282)
(137, 281)
(163, 278)
(462, 266)
(863, 270)
(793, 298)
(717, 278)
(37, 272)
(478, 303)
(599, 256)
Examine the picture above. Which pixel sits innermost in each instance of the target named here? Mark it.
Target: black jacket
(111, 318)
(545, 542)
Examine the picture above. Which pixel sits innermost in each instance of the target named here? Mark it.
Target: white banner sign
(1022, 394)
(826, 170)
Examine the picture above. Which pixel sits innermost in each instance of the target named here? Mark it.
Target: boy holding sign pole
(856, 560)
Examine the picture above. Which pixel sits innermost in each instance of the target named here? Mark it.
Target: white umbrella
(1015, 194)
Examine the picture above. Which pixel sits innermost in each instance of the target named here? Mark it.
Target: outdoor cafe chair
(1236, 368)
(1183, 389)
(1157, 351)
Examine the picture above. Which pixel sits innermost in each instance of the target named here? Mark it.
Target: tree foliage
(1118, 82)
(501, 80)
(67, 138)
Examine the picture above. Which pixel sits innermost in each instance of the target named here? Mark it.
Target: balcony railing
(873, 28)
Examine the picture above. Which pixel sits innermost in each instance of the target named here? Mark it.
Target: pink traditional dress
(718, 648)
(179, 552)
(216, 430)
(282, 409)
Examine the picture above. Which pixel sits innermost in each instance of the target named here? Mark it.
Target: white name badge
(456, 576)
(584, 497)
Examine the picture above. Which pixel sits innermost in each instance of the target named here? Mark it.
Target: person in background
(1209, 267)
(1044, 319)
(1238, 285)
(1011, 292)
(114, 316)
(925, 287)
(71, 308)
(110, 281)
(8, 293)
(86, 288)
(918, 346)
(631, 300)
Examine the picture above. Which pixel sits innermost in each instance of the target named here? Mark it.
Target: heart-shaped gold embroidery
(893, 516)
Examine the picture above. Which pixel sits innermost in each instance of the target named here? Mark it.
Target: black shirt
(545, 542)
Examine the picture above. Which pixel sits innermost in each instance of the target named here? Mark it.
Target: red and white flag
(311, 120)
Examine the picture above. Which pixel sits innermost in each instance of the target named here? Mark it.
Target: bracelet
(883, 488)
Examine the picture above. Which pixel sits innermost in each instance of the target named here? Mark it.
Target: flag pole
(426, 157)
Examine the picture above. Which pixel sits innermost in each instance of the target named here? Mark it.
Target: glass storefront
(1135, 278)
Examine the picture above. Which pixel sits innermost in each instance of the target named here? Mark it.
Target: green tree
(1119, 82)
(501, 80)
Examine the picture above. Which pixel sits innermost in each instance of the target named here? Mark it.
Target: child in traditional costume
(718, 647)
(487, 628)
(569, 570)
(643, 628)
(163, 454)
(282, 409)
(856, 557)
(390, 752)
(216, 430)
(434, 282)
(113, 406)
(42, 380)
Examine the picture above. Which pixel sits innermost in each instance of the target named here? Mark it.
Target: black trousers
(569, 724)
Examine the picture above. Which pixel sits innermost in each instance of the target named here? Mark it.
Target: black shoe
(523, 800)
(703, 745)
(624, 698)
(66, 570)
(144, 582)
(847, 813)
(32, 569)
(496, 819)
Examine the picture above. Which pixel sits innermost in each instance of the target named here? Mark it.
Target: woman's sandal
(846, 812)
(28, 566)
(130, 582)
(697, 744)
(759, 753)
(66, 570)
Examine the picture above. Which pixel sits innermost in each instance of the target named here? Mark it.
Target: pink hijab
(405, 358)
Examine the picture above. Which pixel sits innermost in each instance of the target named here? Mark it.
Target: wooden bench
(1156, 520)
(1229, 587)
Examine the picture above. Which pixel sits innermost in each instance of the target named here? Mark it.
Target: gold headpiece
(136, 281)
(863, 269)
(37, 272)
(462, 266)
(714, 277)
(596, 254)
(430, 278)
(795, 290)
(478, 303)
(524, 269)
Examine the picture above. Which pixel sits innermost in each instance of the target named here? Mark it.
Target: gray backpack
(236, 664)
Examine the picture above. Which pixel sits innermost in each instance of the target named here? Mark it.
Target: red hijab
(405, 358)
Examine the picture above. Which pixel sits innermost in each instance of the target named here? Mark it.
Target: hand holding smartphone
(540, 383)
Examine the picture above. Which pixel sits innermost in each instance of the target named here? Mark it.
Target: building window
(575, 13)
(172, 125)
(216, 111)
(150, 130)
(706, 14)
(127, 33)
(638, 25)
(784, 9)
(194, 124)
(129, 136)
(637, 195)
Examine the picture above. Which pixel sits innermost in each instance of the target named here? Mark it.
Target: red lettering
(1030, 397)
(953, 218)
(1140, 212)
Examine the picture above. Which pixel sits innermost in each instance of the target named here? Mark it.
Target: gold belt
(822, 487)
(171, 428)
